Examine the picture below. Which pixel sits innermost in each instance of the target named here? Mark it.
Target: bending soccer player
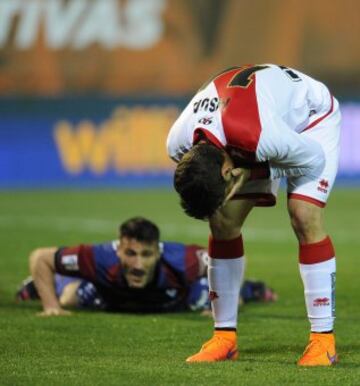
(244, 130)
(136, 273)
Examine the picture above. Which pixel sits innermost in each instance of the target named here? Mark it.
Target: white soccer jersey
(258, 113)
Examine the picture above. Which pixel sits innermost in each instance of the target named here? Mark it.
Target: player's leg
(317, 266)
(226, 266)
(76, 292)
(225, 272)
(68, 296)
(27, 290)
(226, 262)
(251, 291)
(317, 262)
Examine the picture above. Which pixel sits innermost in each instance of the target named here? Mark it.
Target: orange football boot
(222, 346)
(320, 351)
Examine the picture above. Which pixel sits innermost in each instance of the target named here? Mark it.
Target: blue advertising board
(104, 141)
(84, 142)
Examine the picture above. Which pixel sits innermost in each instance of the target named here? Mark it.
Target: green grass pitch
(108, 349)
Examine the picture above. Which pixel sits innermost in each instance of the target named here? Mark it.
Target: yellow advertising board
(132, 139)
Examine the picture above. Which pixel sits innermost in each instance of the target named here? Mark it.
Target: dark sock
(323, 332)
(225, 329)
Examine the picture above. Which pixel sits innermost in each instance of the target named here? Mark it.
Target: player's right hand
(239, 176)
(54, 312)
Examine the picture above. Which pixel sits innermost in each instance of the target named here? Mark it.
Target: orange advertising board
(51, 47)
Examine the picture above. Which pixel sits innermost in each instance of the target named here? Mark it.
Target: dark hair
(140, 229)
(199, 181)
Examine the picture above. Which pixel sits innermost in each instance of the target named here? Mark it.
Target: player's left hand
(206, 313)
(54, 312)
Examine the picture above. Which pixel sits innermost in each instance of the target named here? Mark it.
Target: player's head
(138, 250)
(204, 180)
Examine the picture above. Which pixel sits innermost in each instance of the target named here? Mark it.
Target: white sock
(319, 289)
(225, 279)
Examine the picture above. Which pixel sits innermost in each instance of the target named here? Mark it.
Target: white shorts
(326, 131)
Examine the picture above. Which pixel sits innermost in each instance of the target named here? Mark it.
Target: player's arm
(289, 153)
(180, 138)
(174, 146)
(42, 267)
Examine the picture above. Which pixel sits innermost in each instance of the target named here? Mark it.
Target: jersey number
(291, 74)
(244, 77)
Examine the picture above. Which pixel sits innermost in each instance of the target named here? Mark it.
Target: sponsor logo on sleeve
(206, 120)
(323, 186)
(70, 262)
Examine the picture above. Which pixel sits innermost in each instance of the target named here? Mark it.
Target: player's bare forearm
(42, 269)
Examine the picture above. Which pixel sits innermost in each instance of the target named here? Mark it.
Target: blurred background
(89, 88)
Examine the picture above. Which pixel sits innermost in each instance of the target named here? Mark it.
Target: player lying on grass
(244, 130)
(136, 273)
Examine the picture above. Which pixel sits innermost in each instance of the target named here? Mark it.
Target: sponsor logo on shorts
(213, 295)
(323, 186)
(70, 262)
(320, 302)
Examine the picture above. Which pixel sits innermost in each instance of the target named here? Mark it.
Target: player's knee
(65, 301)
(224, 228)
(306, 221)
(69, 297)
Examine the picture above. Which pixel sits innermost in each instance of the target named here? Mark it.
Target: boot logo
(332, 358)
